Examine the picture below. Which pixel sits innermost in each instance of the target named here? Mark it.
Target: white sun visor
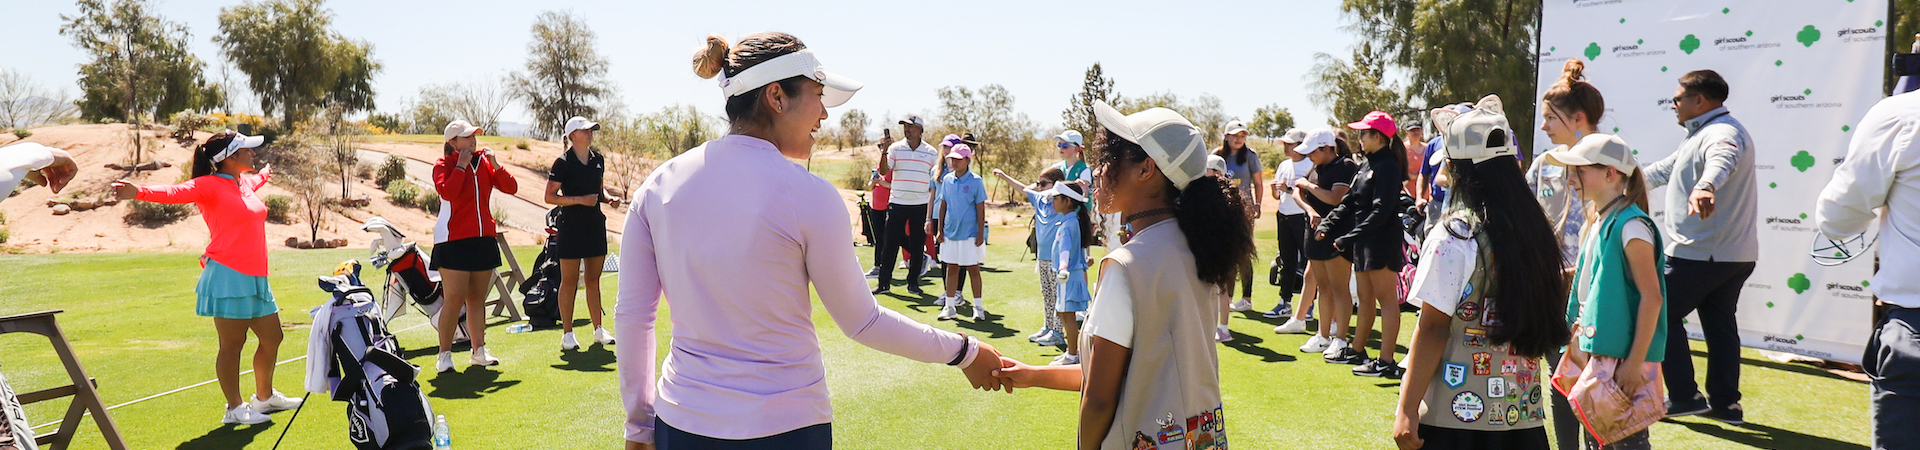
(797, 64)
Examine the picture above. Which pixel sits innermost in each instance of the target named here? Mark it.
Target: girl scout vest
(1171, 396)
(1604, 301)
(1482, 386)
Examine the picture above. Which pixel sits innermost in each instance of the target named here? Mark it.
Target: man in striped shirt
(911, 162)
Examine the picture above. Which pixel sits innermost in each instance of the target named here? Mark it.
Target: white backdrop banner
(1801, 74)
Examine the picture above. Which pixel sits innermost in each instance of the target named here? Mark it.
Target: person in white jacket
(1882, 170)
(43, 165)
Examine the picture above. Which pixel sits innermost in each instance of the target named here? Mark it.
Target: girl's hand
(977, 241)
(997, 172)
(124, 190)
(1631, 376)
(982, 373)
(1014, 374)
(1406, 432)
(1302, 183)
(615, 201)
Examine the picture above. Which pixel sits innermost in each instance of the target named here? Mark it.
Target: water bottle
(441, 438)
(520, 328)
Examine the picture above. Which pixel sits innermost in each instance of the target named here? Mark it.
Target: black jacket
(1371, 210)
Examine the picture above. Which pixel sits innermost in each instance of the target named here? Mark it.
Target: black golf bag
(539, 294)
(385, 408)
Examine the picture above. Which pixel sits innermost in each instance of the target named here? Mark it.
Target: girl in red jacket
(464, 249)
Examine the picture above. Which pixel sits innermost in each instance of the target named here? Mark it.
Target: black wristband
(965, 344)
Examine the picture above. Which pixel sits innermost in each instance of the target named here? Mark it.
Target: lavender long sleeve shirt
(732, 234)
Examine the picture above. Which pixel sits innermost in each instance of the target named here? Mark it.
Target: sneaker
(1693, 406)
(1732, 414)
(1222, 334)
(882, 290)
(915, 290)
(1052, 340)
(243, 414)
(1347, 355)
(1064, 360)
(874, 274)
(979, 313)
(1333, 347)
(1395, 371)
(1285, 308)
(568, 342)
(1373, 368)
(481, 358)
(1242, 305)
(947, 313)
(602, 336)
(444, 363)
(277, 403)
(1293, 326)
(1035, 337)
(1316, 344)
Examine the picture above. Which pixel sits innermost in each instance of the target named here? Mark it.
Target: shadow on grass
(227, 436)
(1249, 344)
(990, 327)
(591, 358)
(473, 383)
(1762, 436)
(1789, 367)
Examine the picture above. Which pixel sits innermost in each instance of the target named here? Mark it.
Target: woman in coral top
(233, 284)
(464, 249)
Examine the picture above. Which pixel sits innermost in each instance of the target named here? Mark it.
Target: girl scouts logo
(1469, 311)
(1483, 363)
(1454, 374)
(1467, 406)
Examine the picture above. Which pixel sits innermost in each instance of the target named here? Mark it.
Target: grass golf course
(130, 318)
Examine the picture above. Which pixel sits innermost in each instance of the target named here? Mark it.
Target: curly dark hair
(1210, 213)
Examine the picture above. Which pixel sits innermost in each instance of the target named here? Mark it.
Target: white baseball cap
(1234, 127)
(1605, 149)
(797, 64)
(1478, 135)
(579, 123)
(1294, 136)
(1323, 137)
(459, 128)
(240, 141)
(1174, 143)
(1072, 137)
(913, 119)
(1215, 162)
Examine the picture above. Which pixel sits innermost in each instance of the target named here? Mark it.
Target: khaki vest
(1482, 386)
(1171, 395)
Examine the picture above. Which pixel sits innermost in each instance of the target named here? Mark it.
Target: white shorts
(962, 252)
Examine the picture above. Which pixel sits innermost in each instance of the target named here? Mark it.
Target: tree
(1349, 91)
(480, 103)
(1271, 121)
(25, 103)
(139, 65)
(1204, 112)
(294, 61)
(1079, 113)
(853, 128)
(565, 75)
(1008, 140)
(1449, 60)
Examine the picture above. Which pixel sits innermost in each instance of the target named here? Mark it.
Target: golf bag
(539, 294)
(362, 365)
(1412, 219)
(409, 277)
(15, 432)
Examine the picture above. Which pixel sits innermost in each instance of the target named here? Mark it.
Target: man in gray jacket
(1712, 246)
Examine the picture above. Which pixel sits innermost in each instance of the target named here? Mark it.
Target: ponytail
(1210, 213)
(715, 57)
(1573, 93)
(203, 164)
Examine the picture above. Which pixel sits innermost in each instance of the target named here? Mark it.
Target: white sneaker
(1334, 345)
(1035, 337)
(947, 313)
(444, 363)
(1242, 305)
(1293, 326)
(568, 342)
(602, 336)
(1064, 360)
(481, 358)
(942, 301)
(1316, 344)
(1052, 339)
(979, 313)
(278, 402)
(244, 415)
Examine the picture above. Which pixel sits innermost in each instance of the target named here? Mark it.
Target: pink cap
(960, 151)
(950, 140)
(1376, 121)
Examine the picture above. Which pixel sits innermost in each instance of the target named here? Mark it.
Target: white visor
(797, 64)
(240, 141)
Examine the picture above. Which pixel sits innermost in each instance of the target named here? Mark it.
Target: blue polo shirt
(1044, 223)
(962, 193)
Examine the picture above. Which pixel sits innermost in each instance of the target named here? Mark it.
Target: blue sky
(1248, 53)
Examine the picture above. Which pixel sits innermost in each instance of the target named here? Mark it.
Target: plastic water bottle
(520, 328)
(442, 440)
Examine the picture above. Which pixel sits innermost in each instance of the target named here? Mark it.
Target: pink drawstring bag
(1609, 413)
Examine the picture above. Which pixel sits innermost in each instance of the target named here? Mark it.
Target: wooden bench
(84, 390)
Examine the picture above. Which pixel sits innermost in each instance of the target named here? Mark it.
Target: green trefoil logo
(1689, 44)
(1593, 50)
(1802, 160)
(1799, 283)
(1808, 36)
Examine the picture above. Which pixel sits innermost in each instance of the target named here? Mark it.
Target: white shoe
(947, 313)
(1334, 345)
(481, 358)
(1222, 334)
(1242, 305)
(1293, 326)
(1316, 344)
(278, 402)
(1051, 339)
(979, 313)
(602, 336)
(942, 301)
(244, 415)
(1064, 360)
(568, 342)
(444, 363)
(1035, 337)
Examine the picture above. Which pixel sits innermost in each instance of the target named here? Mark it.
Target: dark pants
(1452, 439)
(1892, 360)
(1293, 263)
(1713, 290)
(906, 228)
(1567, 429)
(876, 235)
(816, 437)
(1637, 441)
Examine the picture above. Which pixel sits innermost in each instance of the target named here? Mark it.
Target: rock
(54, 201)
(61, 210)
(85, 204)
(337, 243)
(303, 245)
(293, 242)
(110, 201)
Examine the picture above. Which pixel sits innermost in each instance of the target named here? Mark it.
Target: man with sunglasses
(1712, 244)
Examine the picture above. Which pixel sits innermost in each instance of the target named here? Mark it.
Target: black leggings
(906, 228)
(1292, 258)
(816, 437)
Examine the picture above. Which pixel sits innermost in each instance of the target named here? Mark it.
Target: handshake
(992, 371)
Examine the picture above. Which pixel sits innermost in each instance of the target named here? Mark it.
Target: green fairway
(130, 317)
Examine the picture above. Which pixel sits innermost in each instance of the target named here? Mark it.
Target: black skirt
(1438, 438)
(1377, 255)
(474, 254)
(580, 234)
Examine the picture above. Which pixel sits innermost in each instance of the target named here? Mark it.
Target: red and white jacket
(466, 194)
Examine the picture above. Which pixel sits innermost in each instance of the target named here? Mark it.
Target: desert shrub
(429, 200)
(395, 168)
(278, 207)
(857, 176)
(499, 215)
(402, 193)
(158, 213)
(22, 133)
(523, 145)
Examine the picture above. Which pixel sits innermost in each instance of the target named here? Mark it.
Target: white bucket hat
(797, 64)
(1174, 143)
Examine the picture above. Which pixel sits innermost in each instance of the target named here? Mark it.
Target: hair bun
(708, 60)
(1574, 70)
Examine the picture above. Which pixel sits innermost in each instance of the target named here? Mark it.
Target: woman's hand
(982, 372)
(999, 173)
(124, 190)
(55, 176)
(614, 201)
(931, 229)
(1302, 183)
(1406, 431)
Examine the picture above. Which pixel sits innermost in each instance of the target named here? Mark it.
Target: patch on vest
(1513, 415)
(1454, 374)
(1483, 363)
(1467, 406)
(1490, 318)
(1170, 430)
(1469, 311)
(1496, 387)
(1474, 337)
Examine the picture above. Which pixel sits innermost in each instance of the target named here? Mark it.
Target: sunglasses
(1063, 144)
(1676, 99)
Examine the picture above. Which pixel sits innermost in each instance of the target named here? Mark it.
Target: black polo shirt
(579, 178)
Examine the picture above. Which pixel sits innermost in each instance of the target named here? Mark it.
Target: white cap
(913, 119)
(1234, 127)
(1071, 190)
(579, 123)
(1072, 137)
(1294, 136)
(459, 128)
(1478, 135)
(1593, 149)
(1323, 137)
(797, 64)
(1173, 142)
(240, 141)
(1215, 162)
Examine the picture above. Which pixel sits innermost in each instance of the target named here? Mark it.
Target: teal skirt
(229, 294)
